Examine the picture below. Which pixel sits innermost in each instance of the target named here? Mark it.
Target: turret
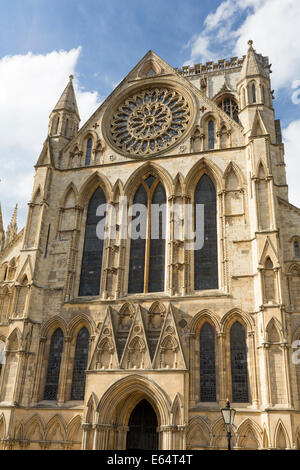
(64, 119)
(12, 229)
(254, 89)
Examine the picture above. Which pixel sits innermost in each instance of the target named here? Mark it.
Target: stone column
(63, 371)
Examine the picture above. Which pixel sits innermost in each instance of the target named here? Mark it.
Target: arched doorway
(142, 424)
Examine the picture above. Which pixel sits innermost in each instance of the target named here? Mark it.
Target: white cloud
(273, 25)
(30, 86)
(292, 156)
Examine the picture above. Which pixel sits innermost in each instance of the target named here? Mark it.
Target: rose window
(150, 121)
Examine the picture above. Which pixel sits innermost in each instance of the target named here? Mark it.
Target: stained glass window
(147, 253)
(211, 135)
(137, 249)
(157, 248)
(297, 251)
(207, 364)
(80, 365)
(230, 107)
(93, 248)
(88, 152)
(206, 258)
(52, 380)
(239, 372)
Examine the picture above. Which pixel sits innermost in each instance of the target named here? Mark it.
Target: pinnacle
(67, 101)
(253, 63)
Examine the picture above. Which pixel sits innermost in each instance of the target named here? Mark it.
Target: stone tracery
(150, 121)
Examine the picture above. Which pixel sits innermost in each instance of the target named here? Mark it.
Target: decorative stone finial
(71, 77)
(250, 43)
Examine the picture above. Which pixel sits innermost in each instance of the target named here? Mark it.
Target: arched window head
(239, 370)
(80, 364)
(206, 256)
(230, 107)
(93, 246)
(253, 93)
(54, 361)
(211, 135)
(296, 249)
(207, 364)
(88, 154)
(148, 238)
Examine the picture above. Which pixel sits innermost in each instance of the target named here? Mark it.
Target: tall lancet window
(206, 258)
(239, 370)
(211, 135)
(80, 364)
(66, 127)
(93, 247)
(147, 250)
(253, 93)
(207, 364)
(54, 361)
(88, 154)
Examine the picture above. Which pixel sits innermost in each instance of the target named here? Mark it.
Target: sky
(100, 41)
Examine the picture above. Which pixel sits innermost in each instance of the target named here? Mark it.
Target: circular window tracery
(150, 121)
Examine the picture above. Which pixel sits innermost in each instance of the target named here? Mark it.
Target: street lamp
(228, 415)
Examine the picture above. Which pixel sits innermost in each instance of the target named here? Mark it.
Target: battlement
(234, 63)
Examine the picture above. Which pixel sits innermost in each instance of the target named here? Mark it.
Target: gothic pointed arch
(91, 408)
(177, 410)
(219, 435)
(70, 196)
(179, 186)
(203, 166)
(249, 435)
(89, 187)
(74, 432)
(198, 434)
(145, 170)
(34, 428)
(234, 203)
(274, 331)
(55, 429)
(52, 324)
(78, 322)
(281, 437)
(202, 317)
(121, 398)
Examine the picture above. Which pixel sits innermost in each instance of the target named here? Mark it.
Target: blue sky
(101, 40)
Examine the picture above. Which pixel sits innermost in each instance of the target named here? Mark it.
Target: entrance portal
(142, 424)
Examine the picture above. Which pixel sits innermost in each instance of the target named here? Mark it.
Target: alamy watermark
(132, 222)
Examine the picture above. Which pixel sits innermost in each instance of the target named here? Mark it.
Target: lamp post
(228, 415)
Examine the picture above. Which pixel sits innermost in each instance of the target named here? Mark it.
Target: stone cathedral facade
(123, 343)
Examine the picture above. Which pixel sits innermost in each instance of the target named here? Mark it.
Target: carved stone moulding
(149, 120)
